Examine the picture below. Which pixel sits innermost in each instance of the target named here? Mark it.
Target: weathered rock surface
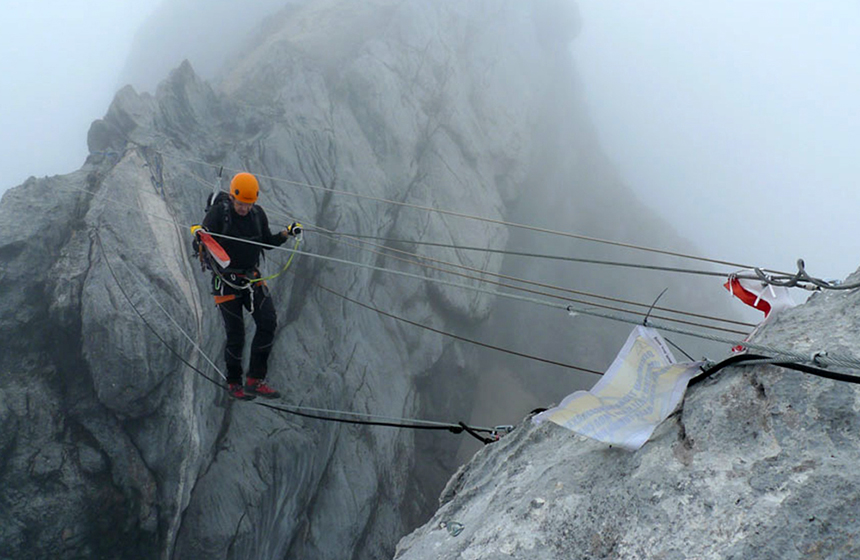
(112, 447)
(758, 464)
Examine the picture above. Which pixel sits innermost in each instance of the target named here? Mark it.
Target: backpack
(223, 199)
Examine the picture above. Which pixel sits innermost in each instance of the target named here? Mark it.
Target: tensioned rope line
(468, 216)
(542, 285)
(819, 358)
(143, 318)
(534, 255)
(793, 279)
(173, 222)
(169, 316)
(755, 359)
(849, 361)
(556, 296)
(511, 278)
(454, 336)
(381, 312)
(307, 412)
(521, 280)
(498, 251)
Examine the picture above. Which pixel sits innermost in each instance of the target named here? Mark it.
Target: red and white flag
(768, 299)
(760, 295)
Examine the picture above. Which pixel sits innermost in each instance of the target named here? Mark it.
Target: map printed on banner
(641, 388)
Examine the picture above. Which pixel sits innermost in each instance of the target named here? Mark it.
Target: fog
(63, 61)
(60, 61)
(206, 32)
(736, 120)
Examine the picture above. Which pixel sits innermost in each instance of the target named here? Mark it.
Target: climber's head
(244, 189)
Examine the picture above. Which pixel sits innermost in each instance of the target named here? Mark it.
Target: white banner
(641, 388)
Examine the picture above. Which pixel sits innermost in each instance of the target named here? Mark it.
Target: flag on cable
(641, 388)
(760, 295)
(770, 300)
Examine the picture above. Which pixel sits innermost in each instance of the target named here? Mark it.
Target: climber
(236, 215)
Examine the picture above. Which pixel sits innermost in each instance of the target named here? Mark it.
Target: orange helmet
(245, 188)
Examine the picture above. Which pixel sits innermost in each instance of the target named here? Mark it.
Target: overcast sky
(60, 61)
(735, 119)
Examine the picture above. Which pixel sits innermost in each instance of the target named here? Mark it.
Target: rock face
(113, 447)
(759, 463)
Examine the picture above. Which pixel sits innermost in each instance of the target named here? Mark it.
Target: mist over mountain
(207, 34)
(471, 108)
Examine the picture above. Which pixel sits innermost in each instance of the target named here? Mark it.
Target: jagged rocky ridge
(111, 447)
(758, 464)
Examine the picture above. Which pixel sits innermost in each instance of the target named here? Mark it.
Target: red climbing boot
(236, 391)
(259, 388)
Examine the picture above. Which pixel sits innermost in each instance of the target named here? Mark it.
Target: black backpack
(223, 198)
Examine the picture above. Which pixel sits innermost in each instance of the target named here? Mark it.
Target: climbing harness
(339, 416)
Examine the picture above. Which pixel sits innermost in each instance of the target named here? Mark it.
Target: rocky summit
(116, 439)
(758, 463)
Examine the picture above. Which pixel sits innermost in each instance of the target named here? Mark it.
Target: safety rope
(555, 296)
(538, 284)
(506, 252)
(820, 358)
(283, 270)
(143, 318)
(454, 336)
(849, 362)
(340, 416)
(163, 310)
(464, 215)
(331, 233)
(756, 359)
(560, 297)
(775, 277)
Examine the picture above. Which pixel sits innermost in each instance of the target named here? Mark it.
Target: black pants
(266, 320)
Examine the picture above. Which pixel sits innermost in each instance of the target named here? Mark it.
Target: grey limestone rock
(757, 464)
